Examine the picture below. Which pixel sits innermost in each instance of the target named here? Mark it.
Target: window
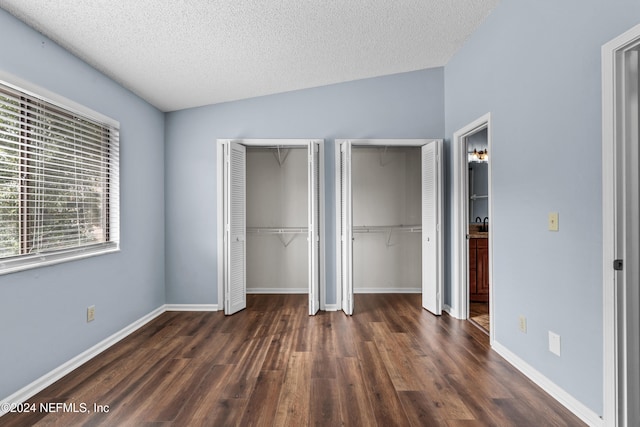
(59, 182)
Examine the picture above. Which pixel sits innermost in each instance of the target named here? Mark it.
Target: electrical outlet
(554, 343)
(522, 324)
(91, 313)
(553, 221)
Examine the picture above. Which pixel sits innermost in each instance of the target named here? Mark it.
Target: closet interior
(277, 259)
(387, 219)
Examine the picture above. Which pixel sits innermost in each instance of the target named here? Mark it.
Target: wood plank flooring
(479, 314)
(390, 364)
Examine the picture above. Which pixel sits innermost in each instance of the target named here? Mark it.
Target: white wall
(277, 196)
(386, 192)
(536, 67)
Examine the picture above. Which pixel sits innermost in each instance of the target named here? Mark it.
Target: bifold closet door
(314, 226)
(346, 228)
(431, 229)
(235, 228)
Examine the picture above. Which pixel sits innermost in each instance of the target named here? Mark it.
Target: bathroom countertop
(479, 235)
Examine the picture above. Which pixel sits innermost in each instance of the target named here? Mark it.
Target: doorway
(478, 228)
(400, 219)
(286, 207)
(621, 233)
(472, 290)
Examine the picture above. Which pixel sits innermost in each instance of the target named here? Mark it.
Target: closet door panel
(314, 228)
(431, 234)
(346, 230)
(235, 180)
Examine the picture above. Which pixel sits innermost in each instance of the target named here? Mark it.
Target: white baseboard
(191, 307)
(559, 394)
(277, 290)
(453, 313)
(387, 290)
(331, 307)
(46, 380)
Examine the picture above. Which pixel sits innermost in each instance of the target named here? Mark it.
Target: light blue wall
(535, 65)
(43, 311)
(409, 105)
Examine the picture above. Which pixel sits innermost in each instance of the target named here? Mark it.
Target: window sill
(29, 262)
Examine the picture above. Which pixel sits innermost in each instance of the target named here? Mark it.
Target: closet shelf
(387, 228)
(278, 230)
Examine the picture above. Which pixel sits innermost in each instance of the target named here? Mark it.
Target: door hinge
(617, 265)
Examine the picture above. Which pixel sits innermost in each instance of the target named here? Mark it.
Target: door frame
(371, 143)
(618, 310)
(268, 142)
(460, 283)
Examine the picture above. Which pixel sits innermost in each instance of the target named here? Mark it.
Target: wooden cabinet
(479, 270)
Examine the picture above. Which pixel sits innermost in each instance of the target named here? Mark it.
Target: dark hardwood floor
(391, 363)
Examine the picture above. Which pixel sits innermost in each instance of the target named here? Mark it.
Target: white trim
(397, 142)
(400, 290)
(613, 374)
(331, 307)
(46, 380)
(272, 142)
(338, 224)
(270, 291)
(220, 218)
(323, 234)
(460, 283)
(559, 394)
(263, 142)
(27, 262)
(192, 307)
(389, 142)
(53, 98)
(447, 309)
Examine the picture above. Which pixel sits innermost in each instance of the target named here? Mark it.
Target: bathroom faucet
(484, 223)
(478, 219)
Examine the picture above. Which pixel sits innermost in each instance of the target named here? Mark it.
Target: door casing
(620, 288)
(220, 143)
(338, 237)
(460, 284)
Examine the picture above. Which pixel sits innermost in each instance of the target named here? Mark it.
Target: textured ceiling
(184, 53)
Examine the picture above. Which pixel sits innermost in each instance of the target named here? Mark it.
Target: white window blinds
(59, 186)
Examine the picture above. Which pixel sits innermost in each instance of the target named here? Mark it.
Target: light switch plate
(553, 221)
(522, 324)
(554, 343)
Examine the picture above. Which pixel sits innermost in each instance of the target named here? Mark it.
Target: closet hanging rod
(387, 228)
(277, 230)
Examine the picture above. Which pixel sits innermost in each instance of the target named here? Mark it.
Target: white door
(314, 226)
(346, 230)
(431, 227)
(235, 228)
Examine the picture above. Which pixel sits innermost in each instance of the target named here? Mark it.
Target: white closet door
(314, 226)
(346, 230)
(236, 230)
(431, 230)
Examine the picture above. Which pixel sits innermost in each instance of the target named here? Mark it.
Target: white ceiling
(184, 53)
